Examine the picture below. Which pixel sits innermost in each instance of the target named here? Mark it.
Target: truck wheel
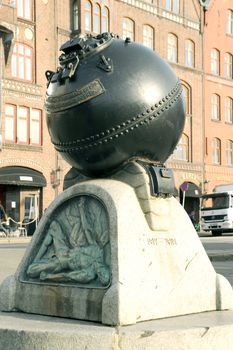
(217, 233)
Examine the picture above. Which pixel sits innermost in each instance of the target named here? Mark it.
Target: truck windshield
(220, 201)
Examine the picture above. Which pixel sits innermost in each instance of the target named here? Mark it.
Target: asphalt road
(221, 245)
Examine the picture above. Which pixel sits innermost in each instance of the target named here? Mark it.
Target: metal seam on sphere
(131, 121)
(163, 104)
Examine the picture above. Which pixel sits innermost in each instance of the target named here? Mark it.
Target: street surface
(224, 245)
(11, 254)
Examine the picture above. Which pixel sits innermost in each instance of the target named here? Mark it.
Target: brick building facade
(218, 60)
(30, 170)
(32, 32)
(174, 29)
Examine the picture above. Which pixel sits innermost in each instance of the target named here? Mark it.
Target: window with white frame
(24, 9)
(22, 125)
(172, 47)
(35, 126)
(189, 53)
(148, 36)
(216, 151)
(105, 20)
(10, 123)
(128, 28)
(96, 18)
(173, 5)
(229, 153)
(228, 110)
(21, 62)
(182, 149)
(229, 28)
(88, 16)
(228, 65)
(187, 98)
(215, 61)
(215, 107)
(75, 15)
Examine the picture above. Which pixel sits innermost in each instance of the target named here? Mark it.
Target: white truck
(217, 210)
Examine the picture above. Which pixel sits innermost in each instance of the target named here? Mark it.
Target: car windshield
(220, 201)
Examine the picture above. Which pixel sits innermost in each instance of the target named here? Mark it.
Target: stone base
(209, 331)
(158, 266)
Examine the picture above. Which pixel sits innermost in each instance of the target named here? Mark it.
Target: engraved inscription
(160, 240)
(87, 92)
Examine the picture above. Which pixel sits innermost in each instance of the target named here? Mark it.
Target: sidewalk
(15, 240)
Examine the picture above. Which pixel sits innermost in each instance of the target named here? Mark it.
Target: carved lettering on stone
(76, 247)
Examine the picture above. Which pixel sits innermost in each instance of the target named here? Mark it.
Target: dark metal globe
(112, 101)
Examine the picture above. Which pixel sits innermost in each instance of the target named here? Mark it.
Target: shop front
(21, 191)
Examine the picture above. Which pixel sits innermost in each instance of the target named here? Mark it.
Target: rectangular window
(172, 47)
(215, 107)
(228, 66)
(22, 124)
(189, 53)
(21, 62)
(148, 36)
(216, 151)
(172, 5)
(228, 110)
(214, 61)
(229, 28)
(229, 153)
(24, 9)
(10, 117)
(35, 127)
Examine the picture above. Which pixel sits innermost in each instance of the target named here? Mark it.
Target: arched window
(24, 9)
(182, 149)
(75, 15)
(21, 62)
(215, 61)
(229, 152)
(105, 20)
(228, 65)
(187, 97)
(216, 151)
(172, 5)
(96, 18)
(228, 110)
(189, 53)
(148, 36)
(172, 47)
(128, 28)
(229, 28)
(88, 16)
(215, 107)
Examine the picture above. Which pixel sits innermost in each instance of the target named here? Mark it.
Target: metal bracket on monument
(161, 179)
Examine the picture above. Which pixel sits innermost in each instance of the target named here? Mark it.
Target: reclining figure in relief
(79, 257)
